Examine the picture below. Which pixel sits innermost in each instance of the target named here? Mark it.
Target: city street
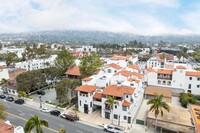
(19, 114)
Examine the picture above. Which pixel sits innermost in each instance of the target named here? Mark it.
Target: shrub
(186, 98)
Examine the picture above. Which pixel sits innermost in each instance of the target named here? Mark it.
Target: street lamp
(40, 97)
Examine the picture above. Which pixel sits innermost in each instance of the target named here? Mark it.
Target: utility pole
(40, 97)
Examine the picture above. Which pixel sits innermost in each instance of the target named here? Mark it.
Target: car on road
(70, 117)
(45, 110)
(114, 129)
(2, 96)
(19, 101)
(10, 99)
(41, 92)
(55, 112)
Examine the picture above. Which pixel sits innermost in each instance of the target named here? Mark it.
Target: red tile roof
(97, 96)
(87, 79)
(138, 75)
(117, 57)
(167, 56)
(194, 109)
(2, 67)
(134, 67)
(113, 65)
(124, 73)
(5, 128)
(118, 91)
(193, 73)
(126, 103)
(150, 69)
(165, 71)
(87, 88)
(180, 67)
(75, 70)
(13, 74)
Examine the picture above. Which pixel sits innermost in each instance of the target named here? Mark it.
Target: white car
(46, 110)
(114, 129)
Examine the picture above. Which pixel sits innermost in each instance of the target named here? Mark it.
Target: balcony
(166, 77)
(97, 103)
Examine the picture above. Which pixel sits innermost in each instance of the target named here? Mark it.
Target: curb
(89, 124)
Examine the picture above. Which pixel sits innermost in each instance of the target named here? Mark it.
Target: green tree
(22, 94)
(63, 89)
(186, 98)
(64, 60)
(11, 59)
(30, 80)
(42, 52)
(2, 111)
(35, 122)
(5, 82)
(110, 102)
(62, 130)
(157, 106)
(89, 64)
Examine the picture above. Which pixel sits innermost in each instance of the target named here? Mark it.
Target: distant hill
(95, 37)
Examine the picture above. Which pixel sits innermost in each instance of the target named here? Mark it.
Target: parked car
(10, 99)
(19, 101)
(114, 129)
(55, 112)
(2, 96)
(41, 92)
(70, 117)
(46, 110)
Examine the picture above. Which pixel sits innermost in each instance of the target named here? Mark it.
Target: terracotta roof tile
(126, 103)
(137, 81)
(117, 57)
(165, 71)
(124, 73)
(87, 79)
(113, 65)
(194, 109)
(75, 70)
(134, 67)
(118, 91)
(13, 74)
(130, 80)
(87, 88)
(150, 69)
(97, 96)
(180, 67)
(2, 67)
(5, 128)
(193, 73)
(138, 75)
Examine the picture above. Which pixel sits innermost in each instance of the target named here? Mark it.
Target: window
(115, 106)
(190, 78)
(189, 91)
(124, 108)
(126, 96)
(109, 70)
(159, 82)
(90, 104)
(80, 102)
(198, 78)
(115, 116)
(115, 71)
(181, 71)
(189, 86)
(125, 117)
(198, 86)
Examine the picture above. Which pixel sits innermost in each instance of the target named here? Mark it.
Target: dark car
(10, 99)
(19, 101)
(40, 92)
(2, 96)
(70, 117)
(55, 112)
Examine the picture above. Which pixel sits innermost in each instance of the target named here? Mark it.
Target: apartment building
(36, 63)
(86, 49)
(18, 51)
(177, 78)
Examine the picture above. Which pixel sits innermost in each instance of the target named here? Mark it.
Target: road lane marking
(27, 120)
(60, 125)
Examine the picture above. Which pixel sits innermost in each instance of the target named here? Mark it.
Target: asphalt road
(19, 114)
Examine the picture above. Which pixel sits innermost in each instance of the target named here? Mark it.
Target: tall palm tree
(157, 106)
(62, 130)
(36, 122)
(110, 104)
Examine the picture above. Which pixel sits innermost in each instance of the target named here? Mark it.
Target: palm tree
(157, 105)
(62, 130)
(2, 111)
(36, 122)
(110, 103)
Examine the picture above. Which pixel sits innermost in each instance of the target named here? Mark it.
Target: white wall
(4, 74)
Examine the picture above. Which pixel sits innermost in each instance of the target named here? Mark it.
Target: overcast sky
(147, 17)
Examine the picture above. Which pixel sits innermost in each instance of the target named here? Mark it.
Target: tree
(63, 89)
(89, 64)
(11, 59)
(35, 122)
(30, 80)
(2, 111)
(5, 82)
(110, 104)
(64, 60)
(21, 94)
(62, 130)
(42, 52)
(28, 54)
(157, 105)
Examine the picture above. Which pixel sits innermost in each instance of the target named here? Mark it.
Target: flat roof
(177, 115)
(151, 90)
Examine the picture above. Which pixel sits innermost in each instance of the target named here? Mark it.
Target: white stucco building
(4, 73)
(18, 51)
(36, 63)
(86, 49)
